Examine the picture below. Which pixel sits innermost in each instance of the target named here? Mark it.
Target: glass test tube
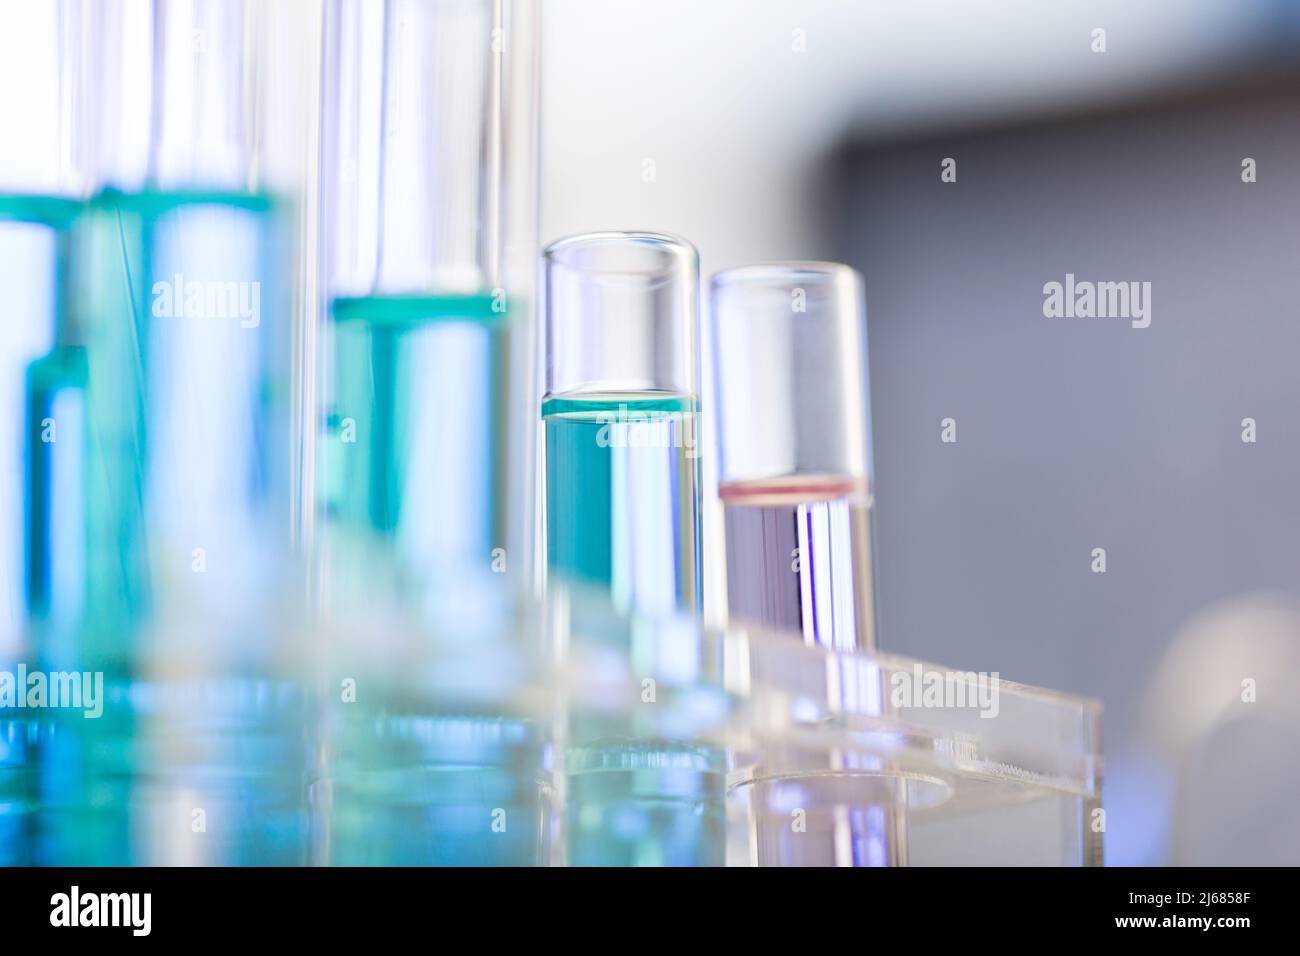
(429, 258)
(794, 471)
(790, 375)
(429, 173)
(170, 381)
(176, 348)
(622, 516)
(622, 457)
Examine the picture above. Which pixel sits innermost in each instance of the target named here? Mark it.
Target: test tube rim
(784, 271)
(682, 250)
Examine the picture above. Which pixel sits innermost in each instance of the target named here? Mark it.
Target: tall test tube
(160, 558)
(794, 471)
(429, 211)
(622, 457)
(794, 479)
(174, 350)
(622, 516)
(428, 258)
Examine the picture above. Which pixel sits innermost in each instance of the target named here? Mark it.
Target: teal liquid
(413, 447)
(622, 512)
(34, 235)
(413, 498)
(20, 740)
(173, 434)
(623, 498)
(173, 426)
(183, 773)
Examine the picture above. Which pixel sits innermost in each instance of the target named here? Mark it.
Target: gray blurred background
(817, 129)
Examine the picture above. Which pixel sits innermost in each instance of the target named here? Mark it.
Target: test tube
(428, 207)
(622, 457)
(794, 480)
(175, 354)
(622, 522)
(168, 384)
(794, 467)
(429, 210)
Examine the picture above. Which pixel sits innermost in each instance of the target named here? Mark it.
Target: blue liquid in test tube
(430, 189)
(623, 513)
(160, 553)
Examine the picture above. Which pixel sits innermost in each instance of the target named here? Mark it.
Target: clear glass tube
(794, 470)
(622, 458)
(160, 501)
(178, 344)
(204, 94)
(429, 262)
(794, 479)
(623, 520)
(429, 217)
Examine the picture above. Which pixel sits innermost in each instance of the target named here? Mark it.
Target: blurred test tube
(428, 211)
(174, 577)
